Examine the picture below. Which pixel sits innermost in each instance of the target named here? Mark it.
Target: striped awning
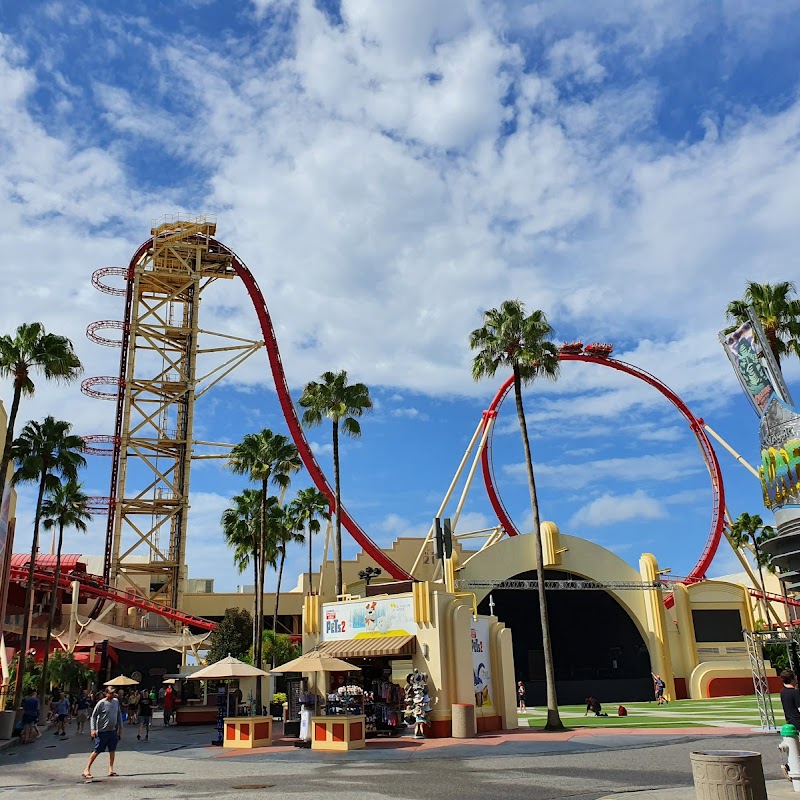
(371, 647)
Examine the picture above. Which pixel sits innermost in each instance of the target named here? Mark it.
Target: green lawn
(722, 712)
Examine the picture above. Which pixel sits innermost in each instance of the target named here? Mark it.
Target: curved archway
(597, 647)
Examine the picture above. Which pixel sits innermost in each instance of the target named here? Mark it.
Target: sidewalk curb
(775, 789)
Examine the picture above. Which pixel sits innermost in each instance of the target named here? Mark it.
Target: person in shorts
(62, 712)
(106, 729)
(83, 706)
(521, 696)
(30, 716)
(659, 686)
(145, 713)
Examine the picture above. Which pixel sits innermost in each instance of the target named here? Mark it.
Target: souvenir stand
(238, 732)
(342, 726)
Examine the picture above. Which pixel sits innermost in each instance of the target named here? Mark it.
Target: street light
(369, 573)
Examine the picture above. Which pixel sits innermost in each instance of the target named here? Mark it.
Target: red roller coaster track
(284, 397)
(93, 586)
(699, 570)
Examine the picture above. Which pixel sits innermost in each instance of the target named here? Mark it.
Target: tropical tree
(342, 404)
(32, 351)
(43, 452)
(265, 458)
(66, 507)
(240, 528)
(232, 636)
(509, 339)
(777, 311)
(749, 529)
(278, 648)
(284, 529)
(308, 505)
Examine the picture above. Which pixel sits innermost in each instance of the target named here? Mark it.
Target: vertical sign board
(481, 662)
(743, 352)
(368, 618)
(5, 508)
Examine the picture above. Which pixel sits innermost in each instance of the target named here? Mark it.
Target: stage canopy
(92, 632)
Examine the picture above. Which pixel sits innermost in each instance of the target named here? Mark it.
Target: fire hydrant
(790, 747)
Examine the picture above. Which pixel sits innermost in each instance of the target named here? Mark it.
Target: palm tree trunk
(310, 560)
(278, 600)
(255, 603)
(52, 616)
(12, 419)
(337, 539)
(26, 622)
(553, 718)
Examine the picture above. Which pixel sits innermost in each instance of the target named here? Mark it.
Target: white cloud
(609, 509)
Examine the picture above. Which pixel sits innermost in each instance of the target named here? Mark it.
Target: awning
(371, 647)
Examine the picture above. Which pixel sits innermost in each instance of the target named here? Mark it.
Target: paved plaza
(580, 763)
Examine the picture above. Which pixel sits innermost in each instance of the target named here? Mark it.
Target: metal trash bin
(7, 720)
(728, 775)
(463, 720)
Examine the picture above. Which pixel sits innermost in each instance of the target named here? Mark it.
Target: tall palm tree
(342, 404)
(750, 529)
(66, 507)
(307, 505)
(265, 458)
(32, 350)
(512, 340)
(284, 529)
(778, 312)
(42, 452)
(240, 528)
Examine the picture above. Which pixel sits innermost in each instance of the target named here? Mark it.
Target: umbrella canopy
(316, 661)
(170, 681)
(227, 668)
(122, 680)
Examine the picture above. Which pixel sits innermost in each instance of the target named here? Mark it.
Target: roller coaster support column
(73, 615)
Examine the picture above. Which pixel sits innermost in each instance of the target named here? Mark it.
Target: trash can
(463, 720)
(730, 774)
(7, 724)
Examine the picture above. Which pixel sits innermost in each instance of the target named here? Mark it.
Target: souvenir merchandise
(347, 699)
(382, 708)
(418, 702)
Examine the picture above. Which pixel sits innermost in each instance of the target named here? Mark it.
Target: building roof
(69, 563)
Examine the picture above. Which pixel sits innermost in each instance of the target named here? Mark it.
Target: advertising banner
(368, 618)
(780, 455)
(743, 352)
(5, 507)
(481, 662)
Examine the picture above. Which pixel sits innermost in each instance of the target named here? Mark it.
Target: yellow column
(657, 624)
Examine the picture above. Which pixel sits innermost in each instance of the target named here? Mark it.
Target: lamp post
(369, 573)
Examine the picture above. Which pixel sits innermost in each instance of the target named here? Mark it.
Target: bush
(279, 697)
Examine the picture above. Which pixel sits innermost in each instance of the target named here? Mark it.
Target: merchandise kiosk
(464, 658)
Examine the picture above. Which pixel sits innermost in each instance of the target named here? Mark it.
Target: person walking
(106, 728)
(659, 685)
(30, 716)
(521, 696)
(133, 707)
(790, 698)
(145, 713)
(62, 712)
(83, 706)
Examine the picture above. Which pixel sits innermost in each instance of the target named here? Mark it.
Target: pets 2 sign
(361, 619)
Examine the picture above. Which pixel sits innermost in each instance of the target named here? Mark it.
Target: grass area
(723, 712)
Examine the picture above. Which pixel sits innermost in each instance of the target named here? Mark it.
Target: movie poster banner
(481, 662)
(391, 616)
(743, 352)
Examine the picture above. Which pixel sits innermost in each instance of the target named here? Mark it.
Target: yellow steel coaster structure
(162, 381)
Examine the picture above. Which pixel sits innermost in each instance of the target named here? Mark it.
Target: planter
(731, 774)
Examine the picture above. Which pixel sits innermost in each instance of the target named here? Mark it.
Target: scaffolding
(755, 641)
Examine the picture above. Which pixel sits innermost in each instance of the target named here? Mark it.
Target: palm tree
(341, 404)
(43, 451)
(32, 350)
(509, 339)
(240, 525)
(265, 458)
(307, 505)
(285, 529)
(66, 507)
(778, 312)
(278, 648)
(750, 529)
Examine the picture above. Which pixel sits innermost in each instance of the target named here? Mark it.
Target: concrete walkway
(776, 790)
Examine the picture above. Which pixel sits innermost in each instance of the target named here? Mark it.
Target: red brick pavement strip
(283, 746)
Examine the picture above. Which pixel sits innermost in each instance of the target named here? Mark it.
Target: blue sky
(390, 170)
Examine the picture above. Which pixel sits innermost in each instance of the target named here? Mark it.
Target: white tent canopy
(91, 632)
